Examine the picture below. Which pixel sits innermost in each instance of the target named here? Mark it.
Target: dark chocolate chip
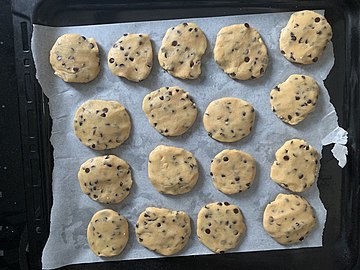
(246, 59)
(286, 158)
(317, 19)
(174, 43)
(111, 60)
(246, 25)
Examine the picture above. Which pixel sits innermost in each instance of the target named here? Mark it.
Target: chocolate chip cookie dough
(170, 110)
(131, 57)
(102, 124)
(296, 166)
(229, 119)
(305, 37)
(240, 52)
(75, 58)
(106, 179)
(162, 230)
(172, 170)
(220, 226)
(107, 233)
(181, 51)
(295, 98)
(232, 171)
(289, 219)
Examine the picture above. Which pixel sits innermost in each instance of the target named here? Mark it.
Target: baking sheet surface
(72, 210)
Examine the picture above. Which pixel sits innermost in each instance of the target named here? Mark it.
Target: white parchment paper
(72, 210)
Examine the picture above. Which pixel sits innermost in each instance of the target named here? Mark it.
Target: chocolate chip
(111, 60)
(283, 52)
(87, 170)
(185, 24)
(317, 19)
(225, 158)
(208, 231)
(226, 203)
(174, 43)
(246, 59)
(236, 210)
(91, 46)
(246, 25)
(75, 69)
(289, 117)
(286, 158)
(297, 97)
(315, 59)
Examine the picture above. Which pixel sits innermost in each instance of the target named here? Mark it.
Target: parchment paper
(72, 210)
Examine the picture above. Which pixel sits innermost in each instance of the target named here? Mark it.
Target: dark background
(26, 154)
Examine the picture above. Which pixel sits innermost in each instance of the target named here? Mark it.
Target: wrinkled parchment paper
(72, 210)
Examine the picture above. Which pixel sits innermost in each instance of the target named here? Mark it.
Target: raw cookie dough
(232, 171)
(229, 119)
(162, 230)
(170, 110)
(295, 98)
(181, 51)
(172, 170)
(240, 52)
(131, 57)
(75, 58)
(220, 226)
(106, 179)
(304, 38)
(107, 233)
(102, 124)
(288, 219)
(296, 166)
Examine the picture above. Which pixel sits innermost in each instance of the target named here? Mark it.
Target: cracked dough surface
(162, 230)
(75, 58)
(288, 219)
(305, 37)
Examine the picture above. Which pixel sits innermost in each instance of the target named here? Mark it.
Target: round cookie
(75, 58)
(102, 124)
(162, 230)
(107, 233)
(131, 57)
(240, 52)
(295, 98)
(181, 51)
(232, 171)
(220, 226)
(229, 119)
(170, 110)
(288, 219)
(296, 165)
(305, 37)
(172, 170)
(106, 179)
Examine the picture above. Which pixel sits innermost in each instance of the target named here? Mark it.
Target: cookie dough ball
(229, 119)
(220, 226)
(75, 58)
(170, 110)
(106, 179)
(107, 233)
(232, 171)
(181, 51)
(162, 230)
(305, 37)
(296, 165)
(240, 52)
(102, 124)
(172, 170)
(295, 98)
(288, 219)
(131, 57)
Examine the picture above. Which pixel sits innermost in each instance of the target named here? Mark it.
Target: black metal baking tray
(339, 188)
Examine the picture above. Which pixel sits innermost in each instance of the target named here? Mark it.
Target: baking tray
(339, 188)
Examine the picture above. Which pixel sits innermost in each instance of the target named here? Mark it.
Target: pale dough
(162, 230)
(181, 51)
(305, 37)
(75, 58)
(232, 171)
(131, 57)
(296, 166)
(295, 98)
(107, 233)
(240, 52)
(172, 170)
(229, 119)
(106, 179)
(102, 124)
(288, 219)
(170, 110)
(220, 226)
